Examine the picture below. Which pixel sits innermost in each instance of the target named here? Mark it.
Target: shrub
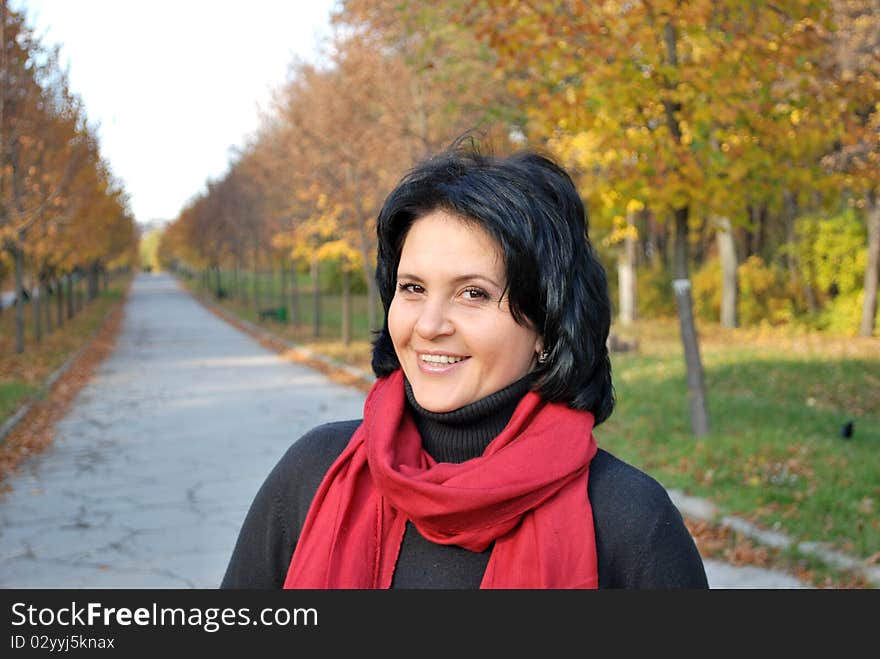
(843, 315)
(706, 290)
(831, 252)
(331, 278)
(655, 293)
(765, 293)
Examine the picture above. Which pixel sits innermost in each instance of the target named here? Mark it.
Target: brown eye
(409, 288)
(475, 294)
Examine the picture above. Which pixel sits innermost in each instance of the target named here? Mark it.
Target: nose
(433, 320)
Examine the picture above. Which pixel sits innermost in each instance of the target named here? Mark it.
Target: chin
(435, 401)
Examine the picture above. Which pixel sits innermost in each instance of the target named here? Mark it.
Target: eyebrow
(457, 280)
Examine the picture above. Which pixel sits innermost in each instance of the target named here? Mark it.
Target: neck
(464, 433)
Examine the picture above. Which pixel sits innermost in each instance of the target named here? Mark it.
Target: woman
(475, 465)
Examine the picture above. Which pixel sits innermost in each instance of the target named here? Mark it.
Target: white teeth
(440, 359)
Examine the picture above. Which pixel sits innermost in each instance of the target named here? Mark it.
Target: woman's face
(452, 331)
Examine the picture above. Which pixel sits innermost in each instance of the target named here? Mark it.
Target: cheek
(396, 324)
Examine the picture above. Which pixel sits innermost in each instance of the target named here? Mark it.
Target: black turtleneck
(641, 540)
(464, 433)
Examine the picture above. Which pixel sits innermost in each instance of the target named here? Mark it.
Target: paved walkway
(152, 470)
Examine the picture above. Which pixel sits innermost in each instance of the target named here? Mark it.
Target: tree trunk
(70, 293)
(366, 249)
(727, 256)
(235, 283)
(59, 301)
(872, 268)
(316, 297)
(92, 287)
(346, 304)
(626, 276)
(294, 295)
(18, 257)
(47, 307)
(283, 283)
(373, 304)
(682, 288)
(795, 267)
(755, 232)
(36, 304)
(256, 283)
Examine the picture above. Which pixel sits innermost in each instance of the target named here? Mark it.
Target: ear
(539, 345)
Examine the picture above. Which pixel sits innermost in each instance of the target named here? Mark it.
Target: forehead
(449, 242)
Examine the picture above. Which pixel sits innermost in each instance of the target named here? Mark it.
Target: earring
(544, 356)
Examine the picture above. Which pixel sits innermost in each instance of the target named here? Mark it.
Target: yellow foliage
(634, 206)
(339, 250)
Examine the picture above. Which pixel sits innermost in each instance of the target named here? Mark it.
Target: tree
(339, 124)
(854, 84)
(658, 103)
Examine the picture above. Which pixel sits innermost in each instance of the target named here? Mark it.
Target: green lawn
(12, 396)
(775, 453)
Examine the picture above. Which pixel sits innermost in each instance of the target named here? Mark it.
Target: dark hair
(532, 209)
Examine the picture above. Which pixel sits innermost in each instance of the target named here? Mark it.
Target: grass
(22, 375)
(12, 394)
(774, 454)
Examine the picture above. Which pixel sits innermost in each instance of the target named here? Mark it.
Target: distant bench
(273, 313)
(617, 344)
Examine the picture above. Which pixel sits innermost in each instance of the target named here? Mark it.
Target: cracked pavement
(154, 466)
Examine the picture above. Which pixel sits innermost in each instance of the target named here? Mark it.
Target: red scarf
(527, 493)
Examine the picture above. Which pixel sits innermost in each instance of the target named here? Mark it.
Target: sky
(174, 86)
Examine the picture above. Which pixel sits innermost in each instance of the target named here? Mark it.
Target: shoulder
(288, 489)
(276, 515)
(322, 444)
(304, 464)
(619, 485)
(641, 538)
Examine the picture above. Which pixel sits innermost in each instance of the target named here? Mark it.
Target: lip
(438, 369)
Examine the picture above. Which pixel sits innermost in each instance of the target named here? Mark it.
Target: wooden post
(695, 379)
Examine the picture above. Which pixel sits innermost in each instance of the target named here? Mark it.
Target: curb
(703, 510)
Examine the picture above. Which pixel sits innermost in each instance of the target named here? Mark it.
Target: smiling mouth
(441, 359)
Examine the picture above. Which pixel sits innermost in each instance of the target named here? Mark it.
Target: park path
(151, 472)
(153, 468)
